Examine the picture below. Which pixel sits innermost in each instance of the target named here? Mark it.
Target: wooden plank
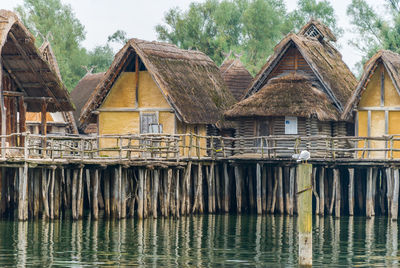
(351, 191)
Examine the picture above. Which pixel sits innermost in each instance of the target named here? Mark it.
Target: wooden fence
(191, 146)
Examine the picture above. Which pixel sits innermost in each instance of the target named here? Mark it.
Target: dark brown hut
(157, 87)
(236, 77)
(301, 90)
(28, 81)
(81, 93)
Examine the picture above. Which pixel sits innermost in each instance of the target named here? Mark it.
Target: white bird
(303, 156)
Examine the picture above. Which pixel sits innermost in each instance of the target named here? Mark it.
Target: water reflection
(197, 241)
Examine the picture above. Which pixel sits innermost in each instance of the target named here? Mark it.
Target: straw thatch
(189, 80)
(48, 54)
(391, 61)
(30, 71)
(336, 79)
(83, 91)
(236, 77)
(322, 29)
(289, 95)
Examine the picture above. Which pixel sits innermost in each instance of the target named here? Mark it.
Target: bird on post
(302, 157)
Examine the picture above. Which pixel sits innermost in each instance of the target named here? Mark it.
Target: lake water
(214, 240)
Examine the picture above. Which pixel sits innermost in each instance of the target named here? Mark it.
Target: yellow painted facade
(380, 109)
(119, 115)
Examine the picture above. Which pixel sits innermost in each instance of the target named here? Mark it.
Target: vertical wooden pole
(274, 191)
(314, 183)
(226, 188)
(291, 189)
(322, 191)
(44, 194)
(250, 179)
(280, 190)
(269, 189)
(305, 214)
(51, 192)
(23, 193)
(264, 189)
(332, 198)
(336, 173)
(258, 188)
(123, 180)
(36, 193)
(177, 196)
(140, 193)
(210, 187)
(351, 191)
(395, 201)
(389, 188)
(22, 119)
(155, 191)
(368, 203)
(95, 188)
(375, 174)
(238, 180)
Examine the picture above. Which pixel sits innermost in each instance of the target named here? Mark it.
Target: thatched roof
(326, 62)
(320, 27)
(289, 95)
(34, 76)
(83, 91)
(47, 53)
(391, 61)
(236, 77)
(189, 80)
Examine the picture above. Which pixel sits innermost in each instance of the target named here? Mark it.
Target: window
(290, 125)
(147, 123)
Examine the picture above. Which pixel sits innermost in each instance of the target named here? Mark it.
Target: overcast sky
(138, 18)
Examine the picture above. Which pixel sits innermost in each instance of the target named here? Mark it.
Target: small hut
(301, 90)
(154, 87)
(375, 104)
(80, 95)
(237, 78)
(59, 123)
(28, 81)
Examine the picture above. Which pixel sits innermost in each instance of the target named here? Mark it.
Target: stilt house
(375, 103)
(154, 87)
(59, 123)
(28, 82)
(80, 95)
(301, 90)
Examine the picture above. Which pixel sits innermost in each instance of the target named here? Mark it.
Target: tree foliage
(52, 16)
(373, 32)
(250, 28)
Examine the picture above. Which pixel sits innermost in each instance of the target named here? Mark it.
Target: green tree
(372, 31)
(52, 16)
(313, 9)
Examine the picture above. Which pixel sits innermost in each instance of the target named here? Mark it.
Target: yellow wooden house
(154, 87)
(376, 104)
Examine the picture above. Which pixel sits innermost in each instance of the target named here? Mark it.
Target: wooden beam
(38, 85)
(25, 56)
(16, 80)
(382, 88)
(22, 119)
(43, 121)
(12, 93)
(3, 115)
(137, 80)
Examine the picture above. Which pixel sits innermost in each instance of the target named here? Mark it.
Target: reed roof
(83, 90)
(190, 81)
(326, 62)
(288, 95)
(391, 62)
(237, 78)
(32, 74)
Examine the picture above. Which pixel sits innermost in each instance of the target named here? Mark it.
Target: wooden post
(23, 193)
(291, 189)
(395, 201)
(200, 186)
(51, 192)
(43, 125)
(3, 114)
(238, 180)
(280, 190)
(226, 188)
(368, 200)
(210, 187)
(258, 188)
(79, 196)
(140, 193)
(322, 191)
(177, 196)
(389, 188)
(332, 200)
(155, 191)
(44, 194)
(106, 187)
(264, 189)
(351, 191)
(36, 193)
(273, 202)
(314, 182)
(269, 189)
(305, 214)
(338, 192)
(122, 188)
(95, 188)
(22, 120)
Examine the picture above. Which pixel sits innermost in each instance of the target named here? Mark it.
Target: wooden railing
(191, 146)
